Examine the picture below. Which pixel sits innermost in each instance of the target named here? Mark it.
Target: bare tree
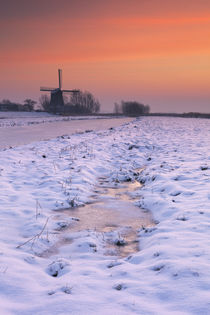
(44, 101)
(83, 103)
(134, 108)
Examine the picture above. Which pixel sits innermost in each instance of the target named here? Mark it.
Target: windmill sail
(60, 78)
(71, 91)
(47, 89)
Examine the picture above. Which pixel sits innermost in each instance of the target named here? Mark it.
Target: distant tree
(44, 101)
(7, 105)
(29, 104)
(83, 103)
(133, 108)
(5, 101)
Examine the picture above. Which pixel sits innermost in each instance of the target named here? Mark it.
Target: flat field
(113, 219)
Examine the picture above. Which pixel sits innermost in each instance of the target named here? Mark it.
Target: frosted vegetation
(169, 274)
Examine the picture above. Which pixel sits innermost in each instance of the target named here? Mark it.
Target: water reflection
(112, 213)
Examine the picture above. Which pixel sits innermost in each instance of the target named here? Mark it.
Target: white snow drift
(169, 275)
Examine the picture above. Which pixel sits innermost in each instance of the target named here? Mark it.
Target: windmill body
(56, 100)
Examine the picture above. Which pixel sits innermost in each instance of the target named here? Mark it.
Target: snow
(169, 274)
(13, 119)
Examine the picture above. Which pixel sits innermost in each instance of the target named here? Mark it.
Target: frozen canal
(24, 128)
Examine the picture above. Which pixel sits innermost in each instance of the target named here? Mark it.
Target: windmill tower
(56, 101)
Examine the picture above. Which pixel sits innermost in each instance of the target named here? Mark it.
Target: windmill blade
(71, 91)
(60, 78)
(47, 89)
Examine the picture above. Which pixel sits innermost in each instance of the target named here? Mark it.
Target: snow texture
(170, 273)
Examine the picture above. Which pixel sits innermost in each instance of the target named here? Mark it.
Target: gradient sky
(154, 51)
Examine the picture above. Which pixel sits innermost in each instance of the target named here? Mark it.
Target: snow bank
(169, 275)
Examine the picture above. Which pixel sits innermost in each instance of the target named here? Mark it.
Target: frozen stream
(112, 214)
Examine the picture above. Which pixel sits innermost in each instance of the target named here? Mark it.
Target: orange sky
(155, 52)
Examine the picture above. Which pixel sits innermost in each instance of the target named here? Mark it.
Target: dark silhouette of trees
(82, 103)
(134, 108)
(7, 105)
(6, 101)
(131, 108)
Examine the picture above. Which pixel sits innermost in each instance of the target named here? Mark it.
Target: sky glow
(155, 52)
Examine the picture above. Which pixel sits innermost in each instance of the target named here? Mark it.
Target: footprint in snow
(120, 286)
(58, 268)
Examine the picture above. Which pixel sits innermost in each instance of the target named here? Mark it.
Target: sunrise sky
(154, 51)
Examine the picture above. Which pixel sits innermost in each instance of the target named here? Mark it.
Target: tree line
(27, 106)
(76, 104)
(131, 108)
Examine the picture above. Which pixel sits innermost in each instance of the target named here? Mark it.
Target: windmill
(56, 101)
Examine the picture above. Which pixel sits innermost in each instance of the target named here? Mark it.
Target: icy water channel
(111, 213)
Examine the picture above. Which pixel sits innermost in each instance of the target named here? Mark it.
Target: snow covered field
(170, 274)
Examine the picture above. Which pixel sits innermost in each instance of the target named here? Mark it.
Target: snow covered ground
(15, 119)
(170, 274)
